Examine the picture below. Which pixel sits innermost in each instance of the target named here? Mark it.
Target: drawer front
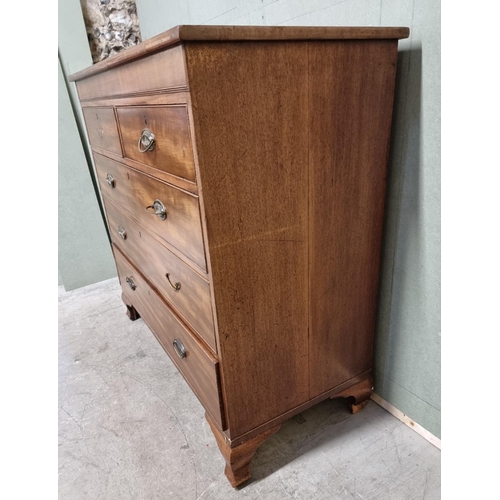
(102, 129)
(185, 289)
(199, 368)
(163, 71)
(135, 192)
(171, 149)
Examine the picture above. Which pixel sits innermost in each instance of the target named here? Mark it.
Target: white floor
(130, 428)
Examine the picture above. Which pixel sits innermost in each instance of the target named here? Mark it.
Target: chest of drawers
(242, 171)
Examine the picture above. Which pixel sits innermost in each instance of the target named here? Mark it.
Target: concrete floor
(130, 428)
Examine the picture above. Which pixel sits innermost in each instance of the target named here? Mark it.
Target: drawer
(102, 129)
(199, 368)
(171, 149)
(163, 71)
(191, 298)
(135, 192)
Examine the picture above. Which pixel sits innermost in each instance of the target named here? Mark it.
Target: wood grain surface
(253, 168)
(102, 129)
(165, 99)
(162, 71)
(350, 93)
(134, 191)
(199, 368)
(239, 33)
(281, 33)
(172, 150)
(151, 171)
(238, 458)
(359, 394)
(192, 300)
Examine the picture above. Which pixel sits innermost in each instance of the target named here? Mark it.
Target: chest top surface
(184, 33)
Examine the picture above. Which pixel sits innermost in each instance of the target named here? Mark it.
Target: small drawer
(102, 129)
(172, 214)
(159, 137)
(182, 287)
(199, 368)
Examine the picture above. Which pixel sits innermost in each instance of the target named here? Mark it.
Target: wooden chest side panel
(351, 97)
(249, 104)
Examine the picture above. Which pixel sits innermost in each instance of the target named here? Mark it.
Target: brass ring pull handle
(179, 348)
(122, 232)
(157, 208)
(175, 286)
(110, 180)
(146, 141)
(131, 283)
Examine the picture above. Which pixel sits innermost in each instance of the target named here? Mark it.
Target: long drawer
(185, 289)
(198, 367)
(171, 213)
(161, 71)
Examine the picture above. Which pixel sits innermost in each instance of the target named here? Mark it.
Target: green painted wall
(408, 350)
(84, 251)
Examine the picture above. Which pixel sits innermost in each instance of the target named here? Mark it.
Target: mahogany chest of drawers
(242, 171)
